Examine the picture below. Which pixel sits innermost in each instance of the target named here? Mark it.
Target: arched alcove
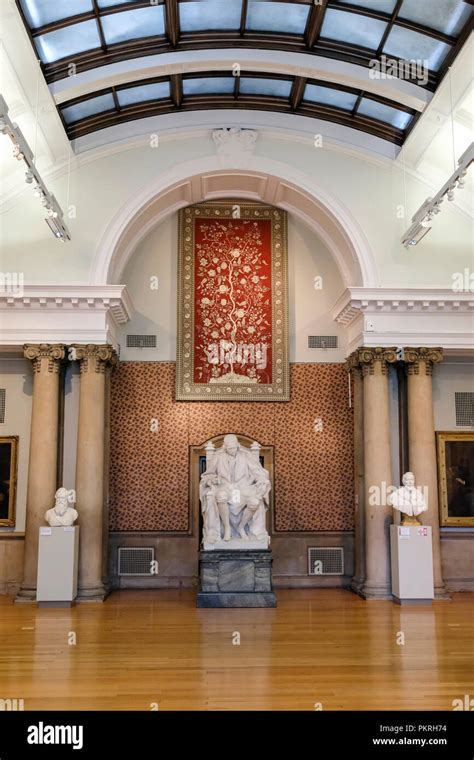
(268, 181)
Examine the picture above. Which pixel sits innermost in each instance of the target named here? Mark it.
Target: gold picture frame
(456, 478)
(244, 383)
(8, 479)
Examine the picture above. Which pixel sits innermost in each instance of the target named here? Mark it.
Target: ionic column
(421, 443)
(94, 363)
(377, 470)
(359, 510)
(43, 460)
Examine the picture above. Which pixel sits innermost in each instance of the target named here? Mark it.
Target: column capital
(94, 357)
(365, 358)
(54, 353)
(353, 364)
(429, 356)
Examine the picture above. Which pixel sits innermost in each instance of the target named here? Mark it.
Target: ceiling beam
(103, 43)
(176, 86)
(243, 17)
(297, 92)
(389, 28)
(172, 28)
(314, 23)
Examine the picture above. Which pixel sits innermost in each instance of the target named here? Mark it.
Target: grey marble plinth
(236, 578)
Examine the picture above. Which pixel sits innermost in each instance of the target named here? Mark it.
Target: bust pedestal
(57, 566)
(412, 564)
(235, 578)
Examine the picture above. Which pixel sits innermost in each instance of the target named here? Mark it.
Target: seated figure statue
(63, 513)
(234, 495)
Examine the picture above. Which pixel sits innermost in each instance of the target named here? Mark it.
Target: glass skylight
(68, 41)
(329, 97)
(212, 14)
(40, 12)
(381, 112)
(88, 108)
(133, 24)
(132, 95)
(208, 86)
(353, 28)
(448, 16)
(406, 44)
(108, 3)
(386, 6)
(279, 88)
(268, 16)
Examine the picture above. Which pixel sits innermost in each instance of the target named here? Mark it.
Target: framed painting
(232, 303)
(8, 476)
(456, 478)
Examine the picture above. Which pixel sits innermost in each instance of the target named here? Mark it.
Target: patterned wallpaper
(150, 435)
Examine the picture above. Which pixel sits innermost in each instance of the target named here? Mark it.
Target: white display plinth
(237, 544)
(58, 556)
(412, 564)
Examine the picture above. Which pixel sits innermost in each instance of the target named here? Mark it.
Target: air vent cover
(134, 560)
(326, 560)
(3, 394)
(464, 409)
(141, 341)
(322, 341)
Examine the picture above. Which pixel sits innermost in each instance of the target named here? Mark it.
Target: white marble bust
(62, 514)
(234, 492)
(409, 500)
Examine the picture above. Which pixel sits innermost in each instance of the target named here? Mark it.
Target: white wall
(17, 378)
(102, 182)
(309, 308)
(449, 378)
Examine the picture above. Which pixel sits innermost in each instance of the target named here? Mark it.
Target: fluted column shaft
(377, 470)
(421, 443)
(43, 458)
(94, 363)
(359, 496)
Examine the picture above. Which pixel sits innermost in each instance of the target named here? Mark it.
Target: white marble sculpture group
(63, 513)
(409, 500)
(234, 492)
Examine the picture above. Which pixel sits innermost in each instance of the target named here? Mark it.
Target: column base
(97, 593)
(357, 585)
(441, 593)
(376, 592)
(26, 595)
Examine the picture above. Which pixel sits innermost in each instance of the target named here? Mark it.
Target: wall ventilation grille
(326, 560)
(322, 341)
(3, 395)
(134, 560)
(141, 341)
(464, 409)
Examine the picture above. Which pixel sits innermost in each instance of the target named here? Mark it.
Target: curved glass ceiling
(93, 33)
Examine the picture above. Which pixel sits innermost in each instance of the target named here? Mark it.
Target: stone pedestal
(57, 566)
(235, 578)
(412, 564)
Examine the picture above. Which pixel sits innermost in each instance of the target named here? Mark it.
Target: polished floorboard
(143, 650)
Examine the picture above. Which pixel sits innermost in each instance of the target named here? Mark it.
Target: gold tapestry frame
(186, 389)
(443, 438)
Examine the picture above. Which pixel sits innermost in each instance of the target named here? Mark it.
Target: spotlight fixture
(22, 152)
(424, 216)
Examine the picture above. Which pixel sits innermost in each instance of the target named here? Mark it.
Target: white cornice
(355, 301)
(71, 298)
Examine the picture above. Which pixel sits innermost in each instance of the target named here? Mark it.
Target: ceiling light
(22, 152)
(424, 215)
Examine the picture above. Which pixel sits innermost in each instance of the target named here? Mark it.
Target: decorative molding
(54, 354)
(94, 358)
(235, 146)
(427, 356)
(63, 314)
(355, 301)
(431, 317)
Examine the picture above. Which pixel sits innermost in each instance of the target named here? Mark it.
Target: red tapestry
(233, 300)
